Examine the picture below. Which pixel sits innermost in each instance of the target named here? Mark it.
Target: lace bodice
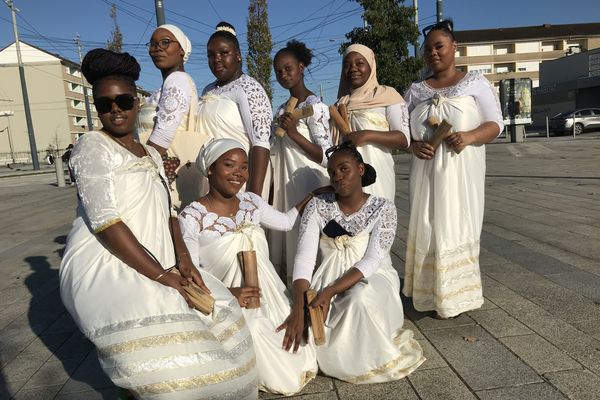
(377, 217)
(254, 106)
(472, 84)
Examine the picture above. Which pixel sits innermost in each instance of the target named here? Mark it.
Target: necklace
(210, 202)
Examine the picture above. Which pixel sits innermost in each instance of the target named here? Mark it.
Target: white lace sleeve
(318, 126)
(397, 116)
(256, 112)
(92, 162)
(175, 99)
(308, 242)
(380, 240)
(190, 230)
(488, 102)
(273, 219)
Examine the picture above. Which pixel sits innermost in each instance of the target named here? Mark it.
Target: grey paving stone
(536, 391)
(23, 367)
(539, 354)
(487, 304)
(320, 385)
(439, 384)
(52, 373)
(87, 376)
(426, 322)
(484, 363)
(499, 323)
(105, 394)
(77, 346)
(408, 324)
(590, 327)
(39, 393)
(576, 384)
(47, 343)
(433, 358)
(9, 389)
(382, 391)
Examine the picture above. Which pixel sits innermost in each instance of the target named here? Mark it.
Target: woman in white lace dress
(168, 117)
(447, 184)
(227, 221)
(357, 286)
(298, 158)
(113, 277)
(378, 117)
(236, 106)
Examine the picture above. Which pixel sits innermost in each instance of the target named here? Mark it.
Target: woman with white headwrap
(378, 117)
(168, 118)
(226, 221)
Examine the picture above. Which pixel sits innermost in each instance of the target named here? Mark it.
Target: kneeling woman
(112, 277)
(357, 286)
(227, 221)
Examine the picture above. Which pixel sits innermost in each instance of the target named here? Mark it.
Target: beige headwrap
(211, 151)
(183, 40)
(371, 94)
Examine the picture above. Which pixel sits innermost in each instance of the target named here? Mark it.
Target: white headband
(183, 40)
(226, 29)
(214, 149)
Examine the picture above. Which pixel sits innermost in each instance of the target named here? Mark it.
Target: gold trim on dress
(153, 341)
(451, 294)
(231, 330)
(107, 225)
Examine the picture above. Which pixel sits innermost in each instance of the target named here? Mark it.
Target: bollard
(60, 172)
(547, 129)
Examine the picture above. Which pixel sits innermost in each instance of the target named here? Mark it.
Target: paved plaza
(536, 337)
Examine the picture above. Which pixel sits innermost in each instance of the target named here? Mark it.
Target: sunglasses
(445, 24)
(162, 44)
(124, 101)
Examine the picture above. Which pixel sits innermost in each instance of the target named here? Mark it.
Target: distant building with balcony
(506, 53)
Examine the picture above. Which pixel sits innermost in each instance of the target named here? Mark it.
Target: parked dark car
(585, 119)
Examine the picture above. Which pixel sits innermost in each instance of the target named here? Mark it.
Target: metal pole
(416, 7)
(573, 125)
(88, 110)
(439, 10)
(32, 145)
(160, 12)
(547, 129)
(60, 172)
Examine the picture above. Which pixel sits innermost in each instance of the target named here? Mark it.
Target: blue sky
(52, 25)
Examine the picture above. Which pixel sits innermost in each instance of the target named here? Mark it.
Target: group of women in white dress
(190, 182)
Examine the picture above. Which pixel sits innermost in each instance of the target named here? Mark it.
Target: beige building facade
(55, 90)
(507, 53)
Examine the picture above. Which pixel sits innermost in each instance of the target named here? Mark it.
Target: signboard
(515, 100)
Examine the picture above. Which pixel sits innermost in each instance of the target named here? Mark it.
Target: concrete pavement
(536, 337)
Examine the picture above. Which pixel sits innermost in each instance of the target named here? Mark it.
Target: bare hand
(294, 329)
(244, 294)
(176, 282)
(459, 140)
(358, 138)
(191, 274)
(288, 122)
(323, 300)
(422, 150)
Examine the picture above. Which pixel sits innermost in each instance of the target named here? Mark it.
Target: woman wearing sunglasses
(236, 106)
(114, 279)
(358, 289)
(227, 221)
(378, 117)
(447, 183)
(168, 118)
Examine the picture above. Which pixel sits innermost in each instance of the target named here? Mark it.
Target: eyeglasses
(124, 101)
(162, 44)
(445, 24)
(344, 145)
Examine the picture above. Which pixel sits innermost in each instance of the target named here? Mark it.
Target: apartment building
(506, 53)
(55, 90)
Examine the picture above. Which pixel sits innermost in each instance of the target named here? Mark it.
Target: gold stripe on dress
(195, 382)
(107, 225)
(451, 294)
(232, 330)
(446, 267)
(153, 341)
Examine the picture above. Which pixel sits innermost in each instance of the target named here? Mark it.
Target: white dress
(447, 199)
(239, 110)
(390, 118)
(213, 242)
(365, 342)
(168, 119)
(148, 340)
(294, 176)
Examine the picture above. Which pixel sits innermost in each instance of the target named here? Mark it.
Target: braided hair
(445, 26)
(370, 175)
(99, 64)
(225, 30)
(298, 50)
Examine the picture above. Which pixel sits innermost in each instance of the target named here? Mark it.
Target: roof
(527, 32)
(28, 54)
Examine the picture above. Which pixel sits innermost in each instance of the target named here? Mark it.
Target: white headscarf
(214, 149)
(183, 40)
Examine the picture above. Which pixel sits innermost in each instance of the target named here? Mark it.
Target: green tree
(389, 30)
(116, 38)
(259, 44)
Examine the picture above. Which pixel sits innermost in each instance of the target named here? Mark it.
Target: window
(480, 50)
(527, 47)
(78, 104)
(551, 46)
(74, 87)
(486, 68)
(583, 113)
(500, 49)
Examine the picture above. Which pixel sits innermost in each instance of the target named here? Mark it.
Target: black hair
(446, 26)
(225, 34)
(99, 64)
(297, 49)
(370, 175)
